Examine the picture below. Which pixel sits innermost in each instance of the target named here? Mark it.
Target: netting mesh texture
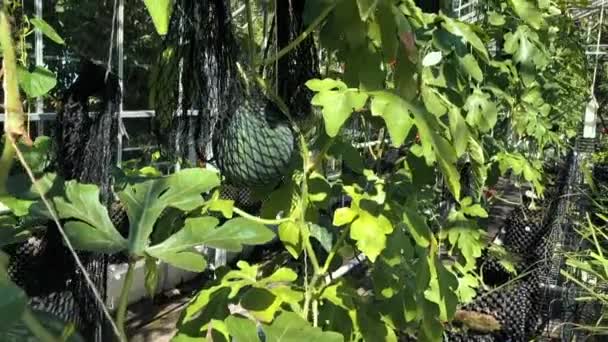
(43, 266)
(517, 301)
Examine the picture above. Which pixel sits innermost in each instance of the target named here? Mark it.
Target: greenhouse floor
(156, 320)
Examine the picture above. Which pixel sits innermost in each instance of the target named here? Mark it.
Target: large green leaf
(235, 282)
(417, 227)
(144, 202)
(47, 30)
(178, 248)
(370, 233)
(160, 11)
(465, 31)
(523, 44)
(529, 12)
(470, 65)
(89, 226)
(37, 82)
(348, 154)
(481, 111)
(436, 148)
(393, 110)
(290, 327)
(459, 131)
(366, 7)
(290, 235)
(261, 303)
(432, 101)
(388, 29)
(337, 103)
(442, 288)
(242, 329)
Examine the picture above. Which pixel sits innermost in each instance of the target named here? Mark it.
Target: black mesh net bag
(250, 139)
(513, 310)
(43, 266)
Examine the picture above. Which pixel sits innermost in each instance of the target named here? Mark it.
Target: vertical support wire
(39, 54)
(180, 94)
(121, 71)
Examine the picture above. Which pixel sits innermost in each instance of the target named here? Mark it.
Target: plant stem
(333, 251)
(259, 219)
(14, 123)
(121, 312)
(315, 313)
(250, 32)
(32, 323)
(301, 37)
(6, 161)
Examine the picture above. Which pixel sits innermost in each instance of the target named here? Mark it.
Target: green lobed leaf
(432, 58)
(290, 235)
(242, 329)
(417, 227)
(393, 110)
(370, 233)
(280, 202)
(160, 11)
(469, 240)
(363, 68)
(496, 19)
(348, 154)
(322, 235)
(459, 131)
(522, 44)
(189, 260)
(337, 106)
(290, 327)
(319, 188)
(372, 327)
(85, 237)
(325, 84)
(481, 111)
(36, 83)
(226, 207)
(231, 236)
(436, 148)
(344, 216)
(465, 31)
(470, 65)
(144, 202)
(47, 30)
(388, 29)
(367, 8)
(442, 288)
(529, 12)
(467, 286)
(261, 303)
(90, 227)
(432, 101)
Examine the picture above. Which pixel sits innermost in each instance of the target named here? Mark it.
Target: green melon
(254, 146)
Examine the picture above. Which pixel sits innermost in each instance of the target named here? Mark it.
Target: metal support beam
(39, 54)
(121, 72)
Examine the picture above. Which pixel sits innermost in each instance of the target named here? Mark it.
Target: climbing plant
(447, 92)
(503, 94)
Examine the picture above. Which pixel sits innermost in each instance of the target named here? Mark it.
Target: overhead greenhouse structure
(304, 170)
